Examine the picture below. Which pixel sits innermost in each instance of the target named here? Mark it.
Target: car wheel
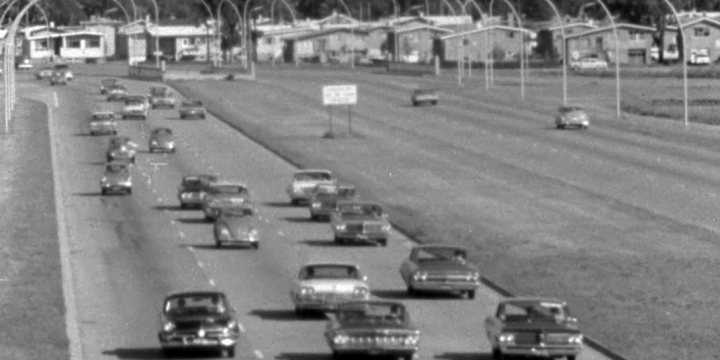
(218, 244)
(255, 246)
(124, 117)
(584, 127)
(295, 202)
(230, 352)
(114, 132)
(496, 354)
(173, 150)
(183, 205)
(415, 103)
(560, 126)
(382, 242)
(108, 158)
(103, 191)
(144, 117)
(411, 291)
(336, 355)
(132, 160)
(202, 117)
(182, 117)
(406, 357)
(471, 294)
(208, 218)
(434, 102)
(339, 240)
(313, 217)
(129, 191)
(152, 150)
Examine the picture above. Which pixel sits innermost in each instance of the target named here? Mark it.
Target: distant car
(323, 203)
(44, 73)
(161, 97)
(699, 57)
(121, 148)
(372, 328)
(424, 96)
(536, 327)
(117, 178)
(237, 226)
(58, 78)
(23, 64)
(193, 190)
(198, 320)
(141, 98)
(162, 139)
(192, 109)
(64, 69)
(324, 286)
(589, 64)
(107, 83)
(360, 221)
(304, 181)
(439, 268)
(225, 195)
(116, 92)
(103, 122)
(572, 116)
(134, 108)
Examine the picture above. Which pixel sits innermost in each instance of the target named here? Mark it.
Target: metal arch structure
(157, 36)
(452, 10)
(134, 7)
(47, 29)
(684, 58)
(237, 11)
(352, 35)
(246, 32)
(10, 4)
(461, 60)
(290, 9)
(564, 49)
(127, 16)
(217, 24)
(522, 49)
(617, 54)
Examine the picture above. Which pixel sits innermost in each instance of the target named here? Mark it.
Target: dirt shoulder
(31, 296)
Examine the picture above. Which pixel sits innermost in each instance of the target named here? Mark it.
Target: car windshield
(430, 254)
(238, 213)
(371, 312)
(350, 210)
(326, 189)
(194, 103)
(61, 66)
(425, 91)
(312, 176)
(346, 192)
(230, 189)
(133, 102)
(196, 305)
(118, 87)
(534, 311)
(326, 196)
(161, 132)
(158, 91)
(119, 141)
(316, 272)
(567, 109)
(115, 168)
(103, 116)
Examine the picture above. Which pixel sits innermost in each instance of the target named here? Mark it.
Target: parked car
(134, 108)
(424, 96)
(236, 226)
(324, 286)
(439, 268)
(44, 73)
(117, 92)
(191, 109)
(537, 327)
(23, 63)
(116, 178)
(121, 148)
(194, 188)
(588, 64)
(161, 97)
(57, 78)
(198, 320)
(323, 203)
(107, 83)
(304, 181)
(162, 139)
(372, 328)
(360, 221)
(103, 122)
(572, 116)
(64, 70)
(225, 195)
(699, 57)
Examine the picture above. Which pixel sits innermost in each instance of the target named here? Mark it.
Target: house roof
(610, 28)
(421, 27)
(494, 27)
(706, 20)
(179, 30)
(320, 33)
(335, 17)
(51, 34)
(572, 26)
(406, 19)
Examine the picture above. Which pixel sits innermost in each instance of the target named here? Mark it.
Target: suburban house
(131, 42)
(702, 35)
(635, 42)
(271, 43)
(570, 29)
(498, 42)
(327, 45)
(108, 28)
(178, 40)
(414, 44)
(376, 42)
(337, 20)
(75, 45)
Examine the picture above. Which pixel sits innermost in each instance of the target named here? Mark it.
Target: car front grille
(527, 338)
(457, 278)
(372, 227)
(354, 228)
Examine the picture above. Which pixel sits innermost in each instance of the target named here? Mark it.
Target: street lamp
(127, 16)
(617, 53)
(217, 24)
(684, 59)
(237, 11)
(522, 49)
(352, 35)
(564, 49)
(157, 35)
(272, 16)
(246, 32)
(415, 7)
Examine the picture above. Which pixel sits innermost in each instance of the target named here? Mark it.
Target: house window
(42, 45)
(73, 44)
(185, 42)
(510, 34)
(466, 42)
(94, 43)
(702, 31)
(635, 35)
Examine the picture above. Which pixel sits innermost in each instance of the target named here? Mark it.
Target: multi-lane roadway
(127, 252)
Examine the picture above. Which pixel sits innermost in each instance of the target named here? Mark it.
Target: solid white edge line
(57, 102)
(71, 323)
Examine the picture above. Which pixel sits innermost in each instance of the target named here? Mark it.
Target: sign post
(339, 95)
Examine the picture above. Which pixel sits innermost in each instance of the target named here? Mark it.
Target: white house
(78, 45)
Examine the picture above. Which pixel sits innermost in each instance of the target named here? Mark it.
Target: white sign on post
(339, 95)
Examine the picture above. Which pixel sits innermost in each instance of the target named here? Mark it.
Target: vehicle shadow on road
(287, 315)
(96, 163)
(401, 294)
(90, 194)
(303, 356)
(463, 356)
(83, 134)
(298, 219)
(331, 243)
(171, 208)
(200, 220)
(280, 204)
(136, 353)
(208, 246)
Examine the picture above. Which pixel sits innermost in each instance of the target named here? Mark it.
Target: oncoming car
(117, 178)
(572, 116)
(236, 226)
(589, 64)
(324, 286)
(192, 109)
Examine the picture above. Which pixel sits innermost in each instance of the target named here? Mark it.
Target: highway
(128, 252)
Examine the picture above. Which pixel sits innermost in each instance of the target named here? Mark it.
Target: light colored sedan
(323, 286)
(572, 116)
(304, 183)
(589, 64)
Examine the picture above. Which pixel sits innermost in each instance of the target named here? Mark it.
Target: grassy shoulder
(31, 297)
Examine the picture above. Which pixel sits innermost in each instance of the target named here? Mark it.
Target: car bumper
(102, 130)
(112, 188)
(323, 303)
(574, 123)
(362, 236)
(384, 350)
(187, 342)
(192, 114)
(163, 147)
(195, 199)
(241, 240)
(541, 351)
(437, 286)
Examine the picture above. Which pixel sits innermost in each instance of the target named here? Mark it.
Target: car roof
(103, 113)
(438, 246)
(358, 202)
(194, 293)
(230, 183)
(196, 176)
(306, 171)
(531, 300)
(329, 264)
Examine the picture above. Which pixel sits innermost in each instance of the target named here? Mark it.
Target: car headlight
(315, 205)
(224, 231)
(341, 339)
(168, 326)
(386, 227)
(412, 340)
(360, 291)
(252, 234)
(232, 324)
(476, 276)
(420, 276)
(306, 291)
(340, 227)
(171, 144)
(104, 179)
(576, 339)
(507, 338)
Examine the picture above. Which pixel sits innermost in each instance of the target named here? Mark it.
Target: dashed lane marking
(181, 234)
(57, 102)
(192, 249)
(212, 282)
(281, 233)
(201, 265)
(259, 355)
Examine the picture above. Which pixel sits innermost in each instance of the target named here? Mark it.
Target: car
(572, 115)
(116, 178)
(193, 190)
(117, 92)
(58, 78)
(304, 181)
(424, 96)
(198, 320)
(103, 122)
(161, 97)
(324, 286)
(162, 139)
(44, 73)
(141, 98)
(538, 327)
(439, 268)
(323, 203)
(589, 64)
(372, 328)
(121, 148)
(23, 63)
(134, 108)
(236, 226)
(360, 221)
(699, 57)
(107, 83)
(191, 109)
(223, 195)
(64, 69)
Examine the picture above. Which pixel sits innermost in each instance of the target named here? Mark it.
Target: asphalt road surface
(128, 252)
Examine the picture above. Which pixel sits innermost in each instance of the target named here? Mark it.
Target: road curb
(594, 344)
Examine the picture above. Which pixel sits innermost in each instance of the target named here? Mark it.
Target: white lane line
(159, 199)
(407, 244)
(182, 234)
(192, 249)
(281, 233)
(259, 355)
(57, 102)
(267, 221)
(71, 323)
(212, 282)
(201, 265)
